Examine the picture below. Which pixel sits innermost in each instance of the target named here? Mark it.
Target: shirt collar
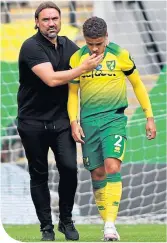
(40, 37)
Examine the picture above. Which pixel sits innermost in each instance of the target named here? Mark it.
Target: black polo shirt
(36, 100)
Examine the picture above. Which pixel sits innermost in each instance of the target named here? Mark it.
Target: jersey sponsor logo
(98, 73)
(111, 65)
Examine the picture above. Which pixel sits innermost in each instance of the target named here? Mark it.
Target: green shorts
(104, 138)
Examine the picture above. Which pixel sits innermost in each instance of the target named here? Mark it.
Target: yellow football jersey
(104, 88)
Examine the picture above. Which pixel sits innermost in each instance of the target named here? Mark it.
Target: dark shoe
(47, 234)
(68, 229)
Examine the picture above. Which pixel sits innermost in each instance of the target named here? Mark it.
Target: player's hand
(91, 62)
(150, 128)
(77, 132)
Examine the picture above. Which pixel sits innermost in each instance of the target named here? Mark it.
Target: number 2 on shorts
(117, 143)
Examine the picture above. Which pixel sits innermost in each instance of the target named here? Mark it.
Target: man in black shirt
(42, 116)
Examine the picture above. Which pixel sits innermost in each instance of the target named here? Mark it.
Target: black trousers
(37, 137)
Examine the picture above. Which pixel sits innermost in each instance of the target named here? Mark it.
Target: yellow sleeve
(72, 105)
(126, 62)
(141, 93)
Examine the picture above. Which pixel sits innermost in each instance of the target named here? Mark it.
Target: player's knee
(112, 166)
(98, 174)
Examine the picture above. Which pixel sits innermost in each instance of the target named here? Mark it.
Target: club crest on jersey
(111, 65)
(99, 67)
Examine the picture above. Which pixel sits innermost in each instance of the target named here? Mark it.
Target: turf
(93, 233)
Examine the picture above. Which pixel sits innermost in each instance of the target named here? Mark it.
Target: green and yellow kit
(103, 99)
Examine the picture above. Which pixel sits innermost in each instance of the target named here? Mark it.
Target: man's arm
(72, 107)
(143, 98)
(46, 73)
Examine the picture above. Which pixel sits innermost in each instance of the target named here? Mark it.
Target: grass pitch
(92, 233)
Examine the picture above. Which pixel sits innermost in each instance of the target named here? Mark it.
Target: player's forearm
(63, 77)
(141, 93)
(72, 105)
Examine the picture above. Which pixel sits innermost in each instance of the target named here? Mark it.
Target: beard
(51, 35)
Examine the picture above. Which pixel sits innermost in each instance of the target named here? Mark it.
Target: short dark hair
(94, 27)
(44, 5)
